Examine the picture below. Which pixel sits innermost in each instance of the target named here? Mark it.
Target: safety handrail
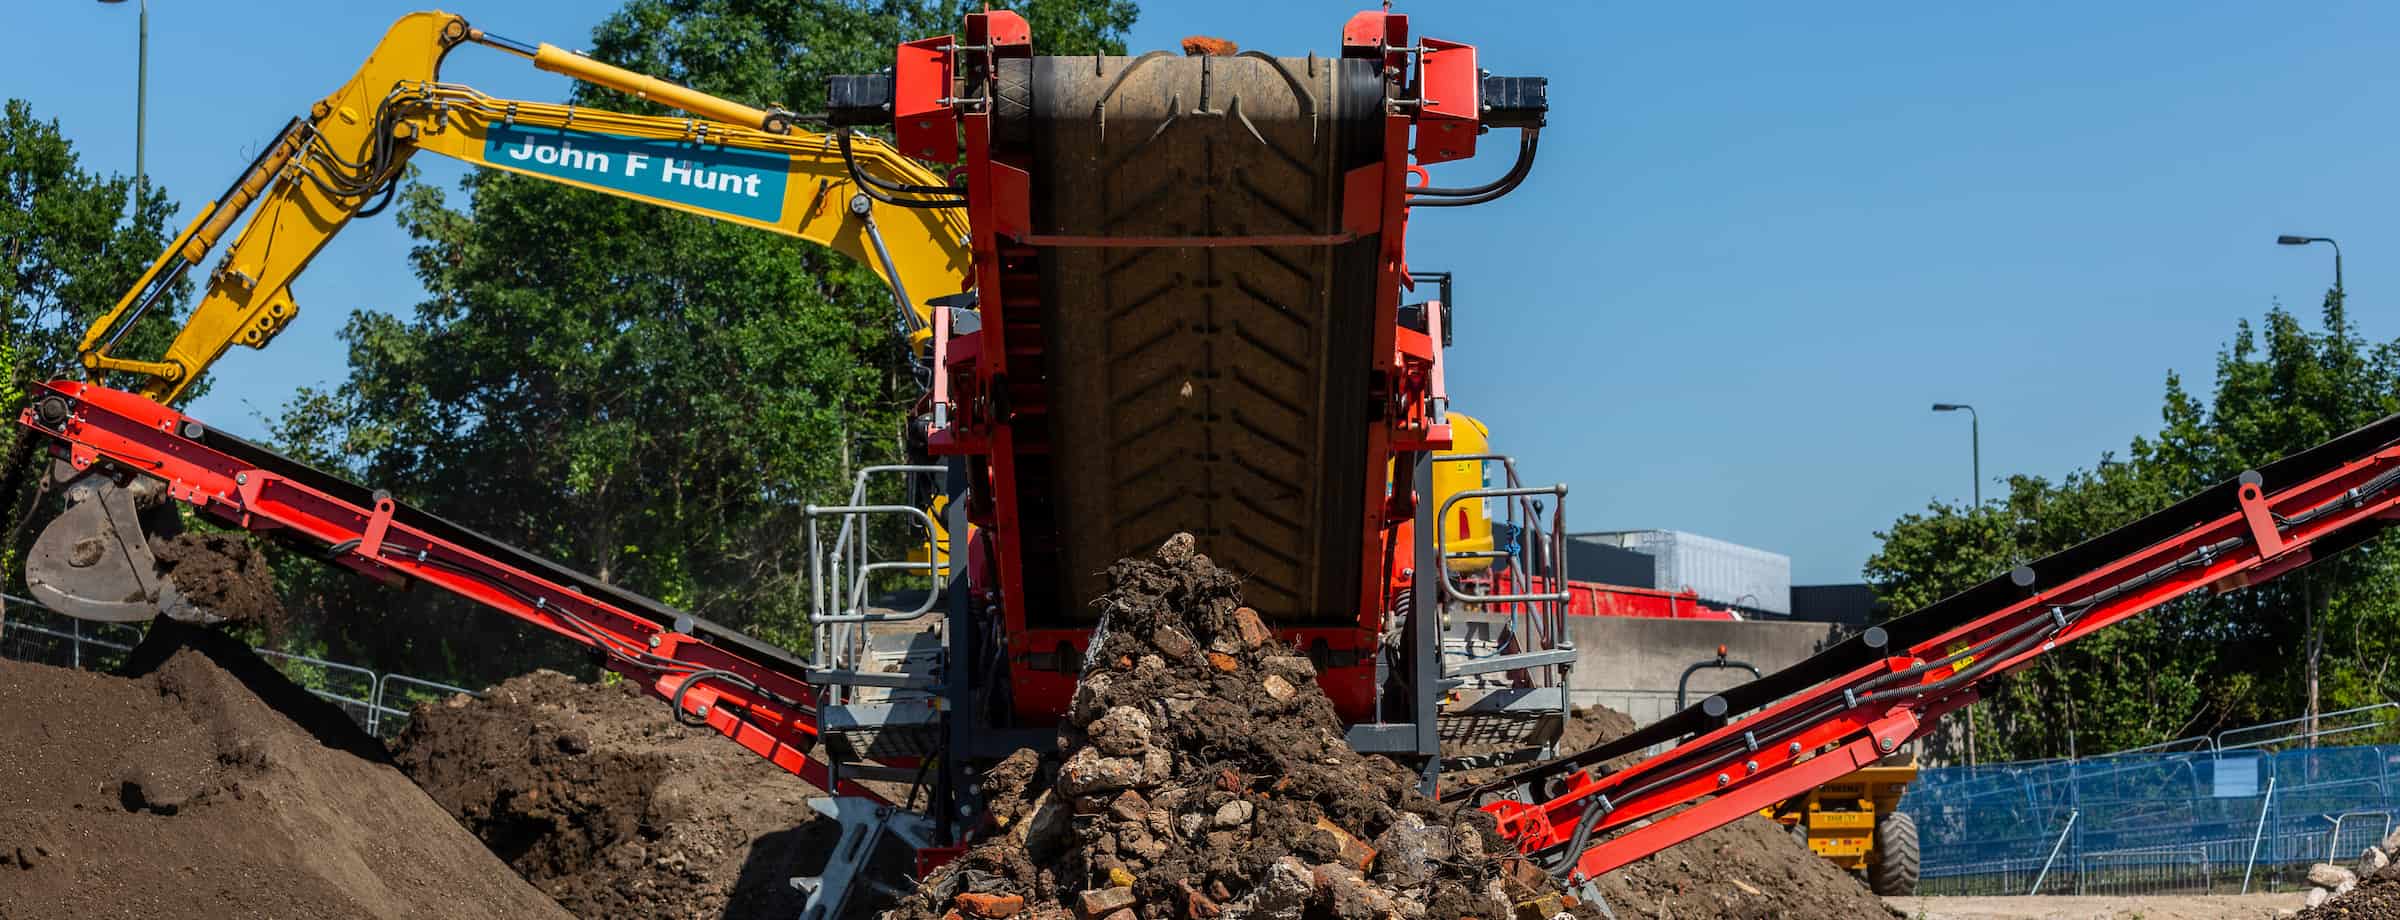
(1557, 540)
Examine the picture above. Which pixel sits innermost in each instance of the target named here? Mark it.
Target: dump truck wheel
(1892, 868)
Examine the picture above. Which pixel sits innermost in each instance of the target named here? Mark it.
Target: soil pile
(203, 783)
(2370, 892)
(1752, 868)
(223, 573)
(1204, 774)
(597, 796)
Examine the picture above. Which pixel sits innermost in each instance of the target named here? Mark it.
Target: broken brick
(993, 906)
(1207, 46)
(1100, 902)
(1250, 629)
(1277, 688)
(1355, 853)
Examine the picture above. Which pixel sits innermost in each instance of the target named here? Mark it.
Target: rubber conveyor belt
(1217, 389)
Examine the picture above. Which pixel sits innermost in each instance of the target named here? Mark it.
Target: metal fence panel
(379, 703)
(2204, 821)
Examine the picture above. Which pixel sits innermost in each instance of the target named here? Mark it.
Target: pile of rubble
(1204, 774)
(2369, 889)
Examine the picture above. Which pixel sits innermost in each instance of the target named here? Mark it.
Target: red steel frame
(760, 708)
(1595, 599)
(1001, 423)
(1728, 774)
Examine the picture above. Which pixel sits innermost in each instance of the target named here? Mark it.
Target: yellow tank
(1467, 528)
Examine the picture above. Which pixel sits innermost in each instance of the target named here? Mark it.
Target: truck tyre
(1892, 868)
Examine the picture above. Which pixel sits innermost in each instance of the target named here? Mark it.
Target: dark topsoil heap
(205, 784)
(1752, 869)
(599, 798)
(1205, 774)
(2377, 897)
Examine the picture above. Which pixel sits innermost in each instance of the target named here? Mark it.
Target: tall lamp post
(1974, 442)
(2291, 240)
(141, 97)
(2309, 594)
(1975, 448)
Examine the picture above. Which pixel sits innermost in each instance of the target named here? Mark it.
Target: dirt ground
(2050, 907)
(204, 784)
(600, 799)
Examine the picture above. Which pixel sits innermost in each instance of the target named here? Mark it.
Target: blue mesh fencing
(2212, 821)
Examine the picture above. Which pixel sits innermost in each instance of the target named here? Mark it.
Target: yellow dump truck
(1855, 823)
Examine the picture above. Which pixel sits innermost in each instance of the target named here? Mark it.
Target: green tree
(2321, 639)
(636, 392)
(74, 241)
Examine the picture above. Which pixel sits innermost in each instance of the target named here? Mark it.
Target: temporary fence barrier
(2216, 820)
(378, 702)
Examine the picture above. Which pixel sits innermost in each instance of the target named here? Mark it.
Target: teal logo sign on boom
(744, 183)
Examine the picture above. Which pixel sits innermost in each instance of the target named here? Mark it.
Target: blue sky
(1761, 239)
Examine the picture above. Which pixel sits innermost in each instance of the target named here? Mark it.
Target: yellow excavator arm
(729, 161)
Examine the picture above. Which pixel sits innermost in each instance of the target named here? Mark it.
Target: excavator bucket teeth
(94, 562)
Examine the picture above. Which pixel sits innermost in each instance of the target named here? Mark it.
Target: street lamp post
(1975, 446)
(2291, 240)
(141, 97)
(1975, 442)
(2315, 638)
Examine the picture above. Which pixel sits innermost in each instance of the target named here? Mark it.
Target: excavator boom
(343, 159)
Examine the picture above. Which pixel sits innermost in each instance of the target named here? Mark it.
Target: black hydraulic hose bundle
(1528, 144)
(890, 192)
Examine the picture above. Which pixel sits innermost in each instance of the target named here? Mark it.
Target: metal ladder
(876, 668)
(1505, 649)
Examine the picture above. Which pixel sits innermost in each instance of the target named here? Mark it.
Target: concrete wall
(1631, 664)
(1637, 653)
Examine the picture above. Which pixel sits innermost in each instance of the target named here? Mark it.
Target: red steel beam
(763, 709)
(1841, 724)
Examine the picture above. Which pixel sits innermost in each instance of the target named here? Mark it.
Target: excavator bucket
(94, 562)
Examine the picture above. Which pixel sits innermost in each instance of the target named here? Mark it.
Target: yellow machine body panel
(1468, 526)
(733, 163)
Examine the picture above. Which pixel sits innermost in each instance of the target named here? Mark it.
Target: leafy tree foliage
(639, 393)
(73, 242)
(2198, 664)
